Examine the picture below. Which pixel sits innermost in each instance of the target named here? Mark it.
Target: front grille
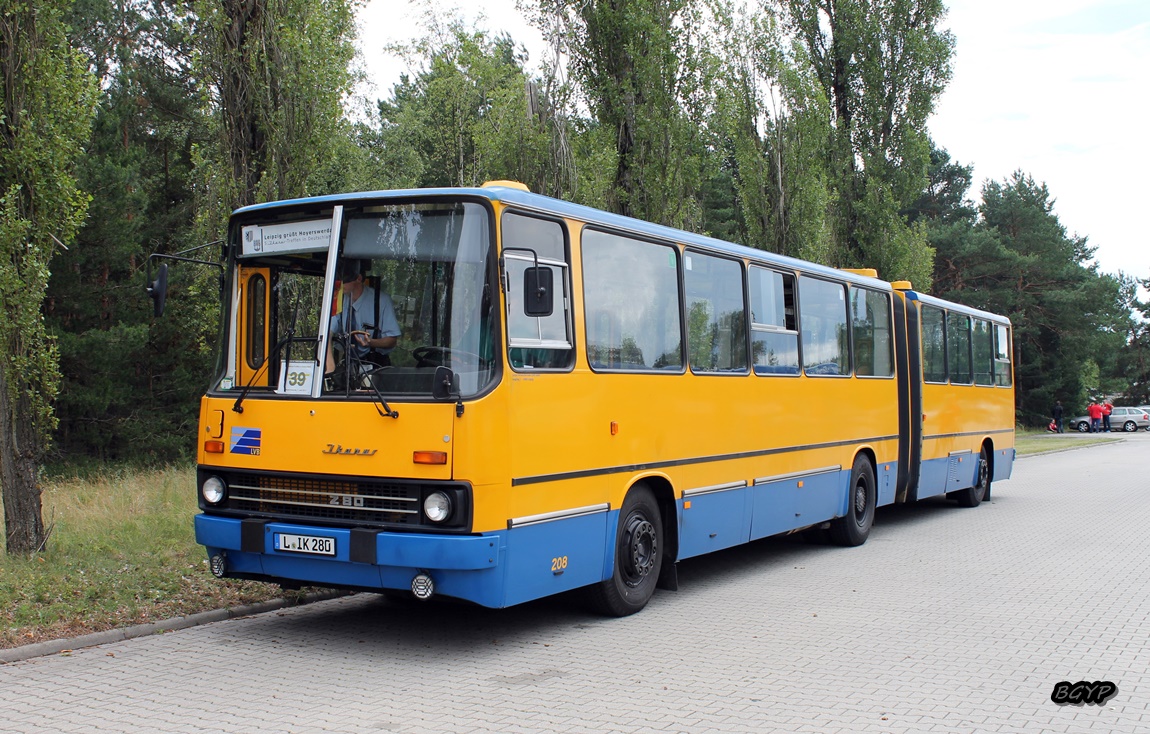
(351, 501)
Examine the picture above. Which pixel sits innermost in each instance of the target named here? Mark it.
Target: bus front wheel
(854, 527)
(638, 557)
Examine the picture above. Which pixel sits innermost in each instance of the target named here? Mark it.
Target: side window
(1001, 355)
(823, 322)
(871, 330)
(933, 345)
(983, 353)
(257, 320)
(774, 328)
(536, 342)
(631, 296)
(958, 347)
(716, 329)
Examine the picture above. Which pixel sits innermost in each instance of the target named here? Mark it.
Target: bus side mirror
(538, 291)
(443, 384)
(158, 290)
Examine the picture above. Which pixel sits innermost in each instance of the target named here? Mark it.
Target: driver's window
(537, 342)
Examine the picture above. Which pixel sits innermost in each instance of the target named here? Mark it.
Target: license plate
(313, 544)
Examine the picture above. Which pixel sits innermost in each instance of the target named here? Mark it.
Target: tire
(638, 557)
(1082, 427)
(854, 528)
(973, 496)
(1130, 426)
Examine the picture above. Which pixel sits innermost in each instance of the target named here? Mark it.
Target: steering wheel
(431, 356)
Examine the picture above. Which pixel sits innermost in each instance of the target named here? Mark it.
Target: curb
(54, 647)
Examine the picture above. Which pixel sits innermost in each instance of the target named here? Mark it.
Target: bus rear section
(961, 405)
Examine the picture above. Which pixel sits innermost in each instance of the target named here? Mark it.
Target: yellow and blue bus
(575, 400)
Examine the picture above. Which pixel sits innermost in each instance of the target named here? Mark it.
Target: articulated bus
(576, 399)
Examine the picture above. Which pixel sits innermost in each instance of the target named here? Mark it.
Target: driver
(368, 315)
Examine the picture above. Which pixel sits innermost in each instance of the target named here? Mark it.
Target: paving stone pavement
(946, 620)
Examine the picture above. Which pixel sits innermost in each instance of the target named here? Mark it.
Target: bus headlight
(437, 507)
(213, 490)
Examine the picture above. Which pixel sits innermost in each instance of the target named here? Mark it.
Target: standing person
(1107, 407)
(1057, 414)
(368, 316)
(1094, 410)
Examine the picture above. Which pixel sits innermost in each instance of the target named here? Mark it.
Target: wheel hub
(641, 545)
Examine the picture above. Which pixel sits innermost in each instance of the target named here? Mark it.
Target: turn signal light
(214, 447)
(429, 457)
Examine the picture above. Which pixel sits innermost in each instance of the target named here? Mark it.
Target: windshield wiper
(380, 400)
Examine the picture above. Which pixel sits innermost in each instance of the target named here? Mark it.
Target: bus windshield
(410, 291)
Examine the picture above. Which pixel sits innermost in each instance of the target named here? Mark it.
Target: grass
(1031, 441)
(121, 552)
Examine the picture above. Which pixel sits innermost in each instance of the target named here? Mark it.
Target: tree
(643, 73)
(129, 387)
(470, 113)
(1018, 260)
(47, 108)
(773, 119)
(277, 72)
(881, 65)
(1136, 355)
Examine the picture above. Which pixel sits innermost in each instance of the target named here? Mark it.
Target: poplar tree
(881, 65)
(44, 121)
(276, 74)
(643, 71)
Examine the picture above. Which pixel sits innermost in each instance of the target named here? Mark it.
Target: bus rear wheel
(638, 557)
(854, 527)
(973, 496)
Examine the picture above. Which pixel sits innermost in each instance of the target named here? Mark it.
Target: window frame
(845, 351)
(743, 300)
(890, 331)
(514, 252)
(765, 328)
(674, 248)
(922, 345)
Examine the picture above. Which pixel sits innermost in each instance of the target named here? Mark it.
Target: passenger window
(774, 327)
(871, 330)
(823, 326)
(631, 295)
(1001, 355)
(536, 342)
(933, 345)
(958, 347)
(983, 353)
(716, 329)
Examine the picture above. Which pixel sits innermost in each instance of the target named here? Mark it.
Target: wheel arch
(664, 491)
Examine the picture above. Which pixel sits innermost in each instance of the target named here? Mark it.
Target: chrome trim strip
(713, 488)
(518, 522)
(963, 452)
(324, 492)
(242, 498)
(798, 474)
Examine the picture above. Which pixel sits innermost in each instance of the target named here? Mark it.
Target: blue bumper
(494, 569)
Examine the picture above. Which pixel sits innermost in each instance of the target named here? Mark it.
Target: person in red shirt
(1094, 410)
(1107, 407)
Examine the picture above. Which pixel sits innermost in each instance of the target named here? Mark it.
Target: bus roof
(951, 305)
(539, 203)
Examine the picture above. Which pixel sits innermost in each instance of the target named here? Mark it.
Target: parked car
(1121, 419)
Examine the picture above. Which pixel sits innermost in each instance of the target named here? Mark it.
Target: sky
(1057, 89)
